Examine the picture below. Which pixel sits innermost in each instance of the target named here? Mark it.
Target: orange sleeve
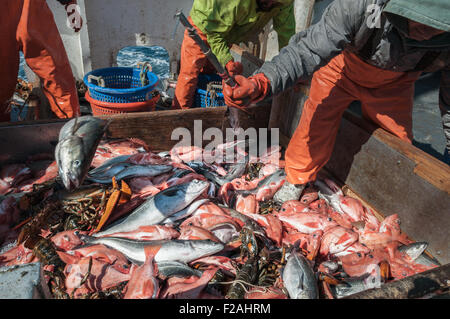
(45, 54)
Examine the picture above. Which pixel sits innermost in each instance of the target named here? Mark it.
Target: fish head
(195, 188)
(72, 164)
(67, 240)
(414, 250)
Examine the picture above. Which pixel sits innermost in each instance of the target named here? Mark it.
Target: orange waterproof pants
(193, 62)
(29, 26)
(386, 98)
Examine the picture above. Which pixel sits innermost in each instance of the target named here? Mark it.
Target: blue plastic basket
(202, 97)
(122, 85)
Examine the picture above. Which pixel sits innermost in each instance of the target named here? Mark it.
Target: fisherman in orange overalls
(28, 26)
(354, 53)
(221, 24)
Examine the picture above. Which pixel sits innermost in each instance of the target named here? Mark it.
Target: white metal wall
(76, 43)
(110, 25)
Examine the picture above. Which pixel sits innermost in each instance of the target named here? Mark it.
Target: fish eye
(76, 163)
(330, 219)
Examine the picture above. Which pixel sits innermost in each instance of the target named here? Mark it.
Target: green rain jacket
(227, 22)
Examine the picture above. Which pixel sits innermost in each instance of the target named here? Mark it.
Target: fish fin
(86, 238)
(416, 254)
(108, 123)
(76, 126)
(151, 251)
(296, 245)
(359, 224)
(67, 258)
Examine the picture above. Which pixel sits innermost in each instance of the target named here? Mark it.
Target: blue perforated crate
(202, 97)
(122, 85)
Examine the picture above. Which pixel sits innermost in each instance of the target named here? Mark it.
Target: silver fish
(183, 251)
(273, 178)
(251, 223)
(416, 252)
(298, 277)
(158, 207)
(133, 171)
(78, 141)
(176, 269)
(235, 170)
(354, 285)
(109, 163)
(330, 196)
(188, 211)
(202, 169)
(109, 173)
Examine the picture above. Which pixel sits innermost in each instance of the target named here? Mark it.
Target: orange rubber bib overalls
(386, 98)
(29, 26)
(193, 62)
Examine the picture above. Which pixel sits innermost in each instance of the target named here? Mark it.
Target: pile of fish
(112, 219)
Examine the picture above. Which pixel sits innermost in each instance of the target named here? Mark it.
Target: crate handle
(99, 79)
(147, 65)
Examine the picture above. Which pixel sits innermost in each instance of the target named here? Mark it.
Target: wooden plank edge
(427, 167)
(284, 141)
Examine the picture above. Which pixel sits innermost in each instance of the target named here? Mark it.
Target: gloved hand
(247, 91)
(288, 192)
(234, 68)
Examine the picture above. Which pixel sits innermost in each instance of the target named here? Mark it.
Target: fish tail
(75, 125)
(108, 123)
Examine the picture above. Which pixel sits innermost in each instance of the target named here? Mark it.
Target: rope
(145, 67)
(211, 91)
(243, 284)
